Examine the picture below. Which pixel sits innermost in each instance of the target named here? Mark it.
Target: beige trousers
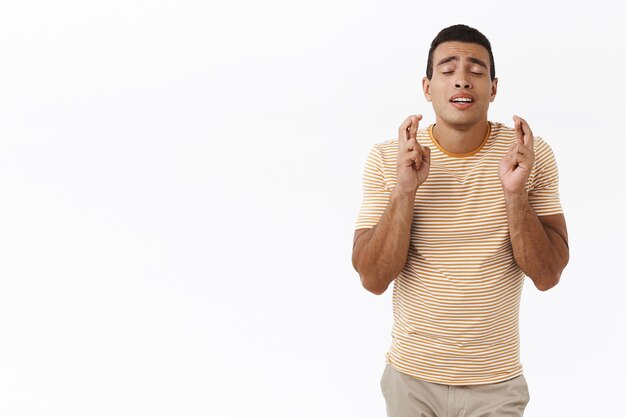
(410, 397)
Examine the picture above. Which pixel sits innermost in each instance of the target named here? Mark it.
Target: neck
(463, 140)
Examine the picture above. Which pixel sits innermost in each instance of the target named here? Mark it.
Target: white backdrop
(179, 183)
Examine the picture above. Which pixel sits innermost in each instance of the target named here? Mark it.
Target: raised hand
(517, 163)
(413, 159)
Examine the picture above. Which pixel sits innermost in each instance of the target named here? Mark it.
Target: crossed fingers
(409, 148)
(522, 151)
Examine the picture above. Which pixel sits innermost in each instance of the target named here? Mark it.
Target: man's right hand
(413, 159)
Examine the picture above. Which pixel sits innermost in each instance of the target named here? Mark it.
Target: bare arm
(539, 244)
(379, 254)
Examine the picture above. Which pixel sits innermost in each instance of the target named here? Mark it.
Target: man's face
(461, 87)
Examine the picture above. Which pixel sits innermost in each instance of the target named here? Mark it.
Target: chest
(461, 204)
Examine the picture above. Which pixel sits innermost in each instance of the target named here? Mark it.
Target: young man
(457, 214)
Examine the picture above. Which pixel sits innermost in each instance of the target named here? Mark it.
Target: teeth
(463, 100)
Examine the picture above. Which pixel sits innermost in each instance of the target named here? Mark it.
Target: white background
(179, 183)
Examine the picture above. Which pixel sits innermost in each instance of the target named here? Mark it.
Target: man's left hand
(517, 163)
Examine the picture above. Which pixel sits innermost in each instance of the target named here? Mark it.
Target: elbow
(549, 275)
(547, 282)
(374, 278)
(551, 279)
(369, 281)
(373, 286)
(372, 282)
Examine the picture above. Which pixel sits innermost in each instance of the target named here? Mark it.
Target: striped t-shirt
(456, 302)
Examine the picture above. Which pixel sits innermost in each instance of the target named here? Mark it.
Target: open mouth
(462, 102)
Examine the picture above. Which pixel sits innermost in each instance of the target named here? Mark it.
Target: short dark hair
(459, 33)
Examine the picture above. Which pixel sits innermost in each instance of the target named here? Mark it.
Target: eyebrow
(457, 58)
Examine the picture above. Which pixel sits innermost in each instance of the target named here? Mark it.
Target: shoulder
(506, 134)
(500, 130)
(544, 156)
(386, 146)
(387, 151)
(501, 137)
(392, 144)
(541, 145)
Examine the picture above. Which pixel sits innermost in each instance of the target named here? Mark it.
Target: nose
(462, 80)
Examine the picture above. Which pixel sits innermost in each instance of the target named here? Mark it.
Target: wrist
(404, 194)
(515, 197)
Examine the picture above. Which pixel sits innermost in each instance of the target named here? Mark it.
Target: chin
(462, 122)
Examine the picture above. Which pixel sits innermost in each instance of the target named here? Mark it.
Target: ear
(426, 87)
(494, 89)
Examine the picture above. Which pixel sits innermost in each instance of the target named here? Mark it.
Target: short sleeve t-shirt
(456, 302)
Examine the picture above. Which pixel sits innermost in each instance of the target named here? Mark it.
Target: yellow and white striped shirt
(456, 302)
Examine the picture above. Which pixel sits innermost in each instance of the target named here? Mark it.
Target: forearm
(379, 255)
(539, 251)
